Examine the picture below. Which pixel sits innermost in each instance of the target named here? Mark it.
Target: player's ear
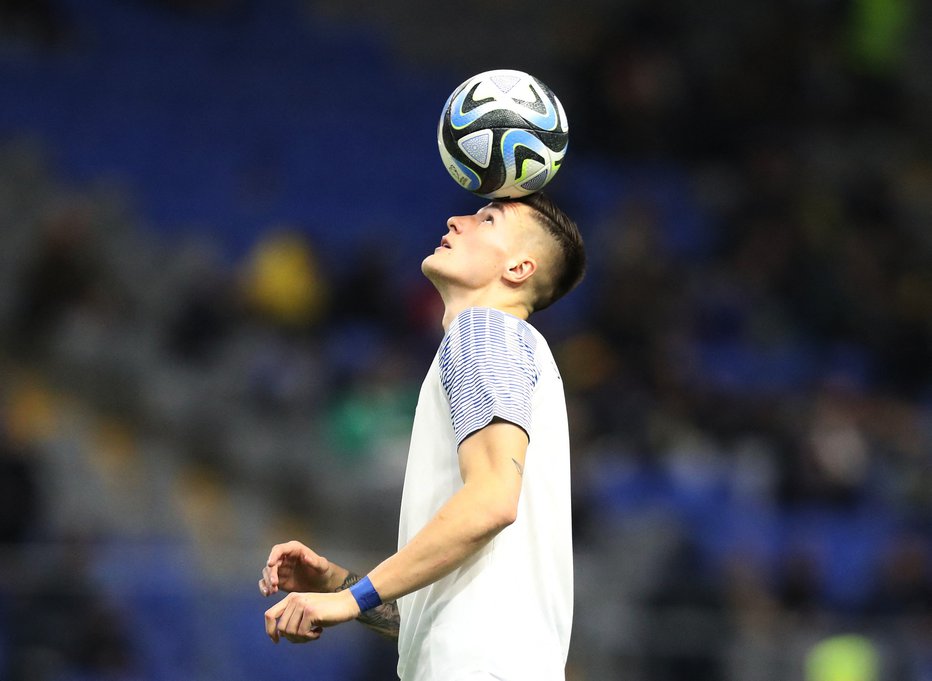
(520, 270)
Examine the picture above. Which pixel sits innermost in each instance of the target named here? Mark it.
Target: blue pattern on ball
(520, 138)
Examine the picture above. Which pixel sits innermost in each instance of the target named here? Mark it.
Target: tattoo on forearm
(383, 619)
(519, 467)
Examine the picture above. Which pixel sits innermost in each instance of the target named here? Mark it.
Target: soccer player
(482, 584)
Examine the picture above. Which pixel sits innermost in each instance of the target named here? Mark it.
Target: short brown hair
(570, 265)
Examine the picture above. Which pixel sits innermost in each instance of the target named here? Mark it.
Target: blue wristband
(365, 594)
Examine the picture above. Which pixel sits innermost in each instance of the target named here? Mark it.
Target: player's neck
(455, 302)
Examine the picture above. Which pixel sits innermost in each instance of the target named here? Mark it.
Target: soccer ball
(503, 134)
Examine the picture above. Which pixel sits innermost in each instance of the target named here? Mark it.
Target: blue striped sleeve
(488, 370)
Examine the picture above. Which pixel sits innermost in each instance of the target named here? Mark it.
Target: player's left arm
(491, 464)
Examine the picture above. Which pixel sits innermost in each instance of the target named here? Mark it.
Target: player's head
(525, 251)
(565, 255)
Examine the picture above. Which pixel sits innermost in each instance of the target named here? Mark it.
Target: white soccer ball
(503, 134)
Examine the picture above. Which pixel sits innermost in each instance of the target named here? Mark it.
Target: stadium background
(213, 327)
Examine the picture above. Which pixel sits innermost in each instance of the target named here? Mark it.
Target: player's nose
(455, 224)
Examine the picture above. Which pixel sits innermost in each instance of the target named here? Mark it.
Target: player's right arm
(295, 568)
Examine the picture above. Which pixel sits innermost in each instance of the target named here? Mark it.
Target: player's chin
(430, 267)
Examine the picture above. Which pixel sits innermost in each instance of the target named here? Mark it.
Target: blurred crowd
(748, 364)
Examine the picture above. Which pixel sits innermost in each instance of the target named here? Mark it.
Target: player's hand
(301, 617)
(294, 567)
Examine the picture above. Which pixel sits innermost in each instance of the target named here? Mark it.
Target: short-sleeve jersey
(506, 613)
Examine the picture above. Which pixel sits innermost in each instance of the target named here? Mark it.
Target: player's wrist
(365, 595)
(336, 578)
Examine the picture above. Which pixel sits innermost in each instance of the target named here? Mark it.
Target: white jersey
(506, 613)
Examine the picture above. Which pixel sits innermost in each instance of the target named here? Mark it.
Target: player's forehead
(513, 211)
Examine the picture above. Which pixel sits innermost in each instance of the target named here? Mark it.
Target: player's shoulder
(491, 328)
(488, 319)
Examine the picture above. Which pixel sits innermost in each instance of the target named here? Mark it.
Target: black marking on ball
(523, 154)
(537, 105)
(471, 102)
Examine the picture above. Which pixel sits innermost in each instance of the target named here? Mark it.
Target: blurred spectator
(904, 584)
(366, 295)
(800, 591)
(691, 608)
(65, 273)
(62, 627)
(636, 82)
(283, 281)
(20, 508)
(203, 319)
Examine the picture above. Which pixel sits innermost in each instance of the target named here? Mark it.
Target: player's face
(477, 248)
